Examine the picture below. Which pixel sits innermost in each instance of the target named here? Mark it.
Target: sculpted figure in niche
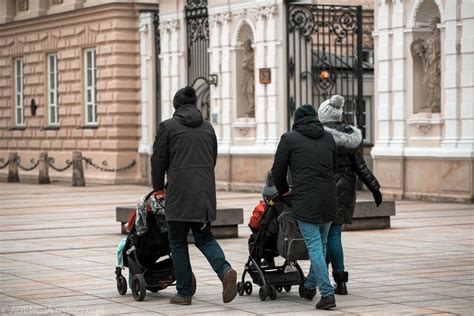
(248, 77)
(429, 51)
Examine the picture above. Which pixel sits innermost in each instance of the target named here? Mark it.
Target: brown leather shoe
(179, 300)
(229, 285)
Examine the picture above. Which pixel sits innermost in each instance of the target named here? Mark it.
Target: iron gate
(324, 51)
(197, 28)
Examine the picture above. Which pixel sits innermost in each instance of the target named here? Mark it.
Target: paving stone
(57, 256)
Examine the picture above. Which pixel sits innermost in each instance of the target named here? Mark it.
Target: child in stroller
(263, 249)
(145, 244)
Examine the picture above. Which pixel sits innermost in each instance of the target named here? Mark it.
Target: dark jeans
(335, 254)
(203, 239)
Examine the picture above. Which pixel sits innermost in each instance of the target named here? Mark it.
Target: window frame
(92, 88)
(19, 93)
(53, 106)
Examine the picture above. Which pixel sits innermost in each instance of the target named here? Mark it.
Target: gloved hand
(377, 197)
(286, 198)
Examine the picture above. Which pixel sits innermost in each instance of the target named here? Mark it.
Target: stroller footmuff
(145, 245)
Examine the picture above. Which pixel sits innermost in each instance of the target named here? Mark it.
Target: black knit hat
(186, 95)
(305, 110)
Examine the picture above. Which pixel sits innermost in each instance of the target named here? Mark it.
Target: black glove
(348, 130)
(377, 197)
(286, 200)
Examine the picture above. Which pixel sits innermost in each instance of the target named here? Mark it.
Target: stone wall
(112, 31)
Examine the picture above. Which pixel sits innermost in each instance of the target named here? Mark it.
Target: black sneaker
(327, 302)
(309, 294)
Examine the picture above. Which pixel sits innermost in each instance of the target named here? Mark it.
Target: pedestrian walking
(185, 149)
(350, 163)
(310, 153)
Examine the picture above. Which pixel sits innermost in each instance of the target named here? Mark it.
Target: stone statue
(429, 51)
(248, 77)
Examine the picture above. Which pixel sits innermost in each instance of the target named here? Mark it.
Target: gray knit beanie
(331, 109)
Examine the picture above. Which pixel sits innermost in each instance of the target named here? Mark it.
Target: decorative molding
(169, 26)
(55, 2)
(220, 18)
(265, 11)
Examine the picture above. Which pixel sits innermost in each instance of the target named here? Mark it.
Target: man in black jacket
(185, 149)
(310, 153)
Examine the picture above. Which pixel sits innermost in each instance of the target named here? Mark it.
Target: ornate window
(90, 86)
(53, 118)
(19, 113)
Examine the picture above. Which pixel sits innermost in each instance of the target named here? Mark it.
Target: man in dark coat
(185, 149)
(310, 153)
(350, 163)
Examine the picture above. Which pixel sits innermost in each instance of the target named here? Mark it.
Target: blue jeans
(203, 239)
(335, 254)
(315, 237)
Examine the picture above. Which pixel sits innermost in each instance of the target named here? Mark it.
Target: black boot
(340, 278)
(326, 302)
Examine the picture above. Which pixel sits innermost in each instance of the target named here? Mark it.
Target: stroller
(260, 266)
(145, 244)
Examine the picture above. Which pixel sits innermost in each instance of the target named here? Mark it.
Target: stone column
(467, 76)
(225, 79)
(383, 75)
(214, 68)
(260, 93)
(451, 69)
(169, 70)
(398, 79)
(272, 88)
(146, 77)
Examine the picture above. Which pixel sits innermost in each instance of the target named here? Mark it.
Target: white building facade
(423, 152)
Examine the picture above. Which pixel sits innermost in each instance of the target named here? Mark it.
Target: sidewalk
(57, 256)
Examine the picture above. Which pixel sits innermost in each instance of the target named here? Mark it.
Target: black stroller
(260, 266)
(142, 252)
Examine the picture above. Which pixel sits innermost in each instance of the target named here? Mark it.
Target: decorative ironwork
(197, 27)
(324, 51)
(4, 165)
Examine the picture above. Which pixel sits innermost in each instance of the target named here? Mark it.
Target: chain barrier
(58, 169)
(28, 168)
(104, 163)
(5, 165)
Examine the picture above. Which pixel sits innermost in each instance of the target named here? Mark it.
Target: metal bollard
(43, 175)
(77, 170)
(13, 168)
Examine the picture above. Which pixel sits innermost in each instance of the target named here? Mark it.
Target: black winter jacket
(350, 162)
(185, 149)
(311, 155)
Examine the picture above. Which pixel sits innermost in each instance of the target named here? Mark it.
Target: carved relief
(23, 5)
(169, 26)
(429, 51)
(220, 18)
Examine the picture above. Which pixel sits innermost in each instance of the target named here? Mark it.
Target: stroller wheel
(262, 293)
(272, 292)
(279, 289)
(287, 288)
(248, 287)
(138, 287)
(240, 288)
(121, 285)
(193, 284)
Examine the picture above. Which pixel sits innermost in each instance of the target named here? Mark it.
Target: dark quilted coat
(185, 149)
(350, 163)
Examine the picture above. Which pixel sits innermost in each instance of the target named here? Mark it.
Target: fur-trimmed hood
(352, 140)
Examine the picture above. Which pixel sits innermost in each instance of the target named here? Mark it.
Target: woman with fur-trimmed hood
(350, 163)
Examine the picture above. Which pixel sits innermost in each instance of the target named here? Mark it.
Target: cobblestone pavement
(57, 256)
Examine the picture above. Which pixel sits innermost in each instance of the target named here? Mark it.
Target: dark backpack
(291, 244)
